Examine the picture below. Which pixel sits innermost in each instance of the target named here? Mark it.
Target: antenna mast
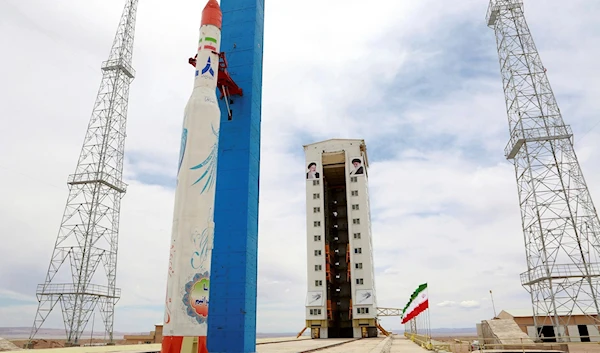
(560, 223)
(88, 234)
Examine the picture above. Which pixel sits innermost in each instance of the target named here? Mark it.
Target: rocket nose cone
(212, 15)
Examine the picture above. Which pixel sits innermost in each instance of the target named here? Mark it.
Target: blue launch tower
(232, 307)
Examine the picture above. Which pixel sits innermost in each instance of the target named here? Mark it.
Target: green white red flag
(418, 303)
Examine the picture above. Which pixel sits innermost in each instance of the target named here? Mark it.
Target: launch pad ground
(338, 345)
(395, 344)
(402, 345)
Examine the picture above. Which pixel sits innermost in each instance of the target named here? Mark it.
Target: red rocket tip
(212, 15)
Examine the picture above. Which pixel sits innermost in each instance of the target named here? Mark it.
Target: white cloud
(421, 86)
(469, 304)
(9, 294)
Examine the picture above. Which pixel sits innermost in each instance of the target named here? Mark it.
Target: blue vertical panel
(232, 303)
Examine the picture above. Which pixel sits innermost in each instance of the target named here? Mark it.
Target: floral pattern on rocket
(209, 165)
(200, 240)
(172, 252)
(182, 148)
(195, 298)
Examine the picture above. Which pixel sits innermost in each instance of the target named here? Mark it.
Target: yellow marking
(189, 345)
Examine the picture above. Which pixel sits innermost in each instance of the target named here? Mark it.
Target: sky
(418, 80)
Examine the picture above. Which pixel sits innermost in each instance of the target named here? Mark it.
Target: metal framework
(560, 223)
(389, 312)
(88, 234)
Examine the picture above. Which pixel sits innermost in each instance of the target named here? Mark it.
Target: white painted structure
(186, 307)
(333, 228)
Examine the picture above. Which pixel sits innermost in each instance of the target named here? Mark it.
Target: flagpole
(416, 325)
(428, 317)
(493, 305)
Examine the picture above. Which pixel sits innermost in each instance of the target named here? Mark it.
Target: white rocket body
(193, 227)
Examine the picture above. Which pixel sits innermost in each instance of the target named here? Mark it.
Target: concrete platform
(263, 345)
(280, 339)
(130, 348)
(300, 346)
(401, 344)
(365, 345)
(337, 345)
(134, 348)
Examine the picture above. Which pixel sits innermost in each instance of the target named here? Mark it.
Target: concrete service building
(577, 327)
(341, 301)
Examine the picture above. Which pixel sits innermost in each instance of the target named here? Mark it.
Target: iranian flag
(418, 303)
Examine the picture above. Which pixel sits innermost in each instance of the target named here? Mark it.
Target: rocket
(188, 282)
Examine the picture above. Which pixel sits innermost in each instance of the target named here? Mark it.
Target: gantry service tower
(560, 224)
(341, 301)
(88, 235)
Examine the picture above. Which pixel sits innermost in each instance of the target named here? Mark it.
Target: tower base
(365, 332)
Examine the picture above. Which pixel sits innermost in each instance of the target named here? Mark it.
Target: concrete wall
(503, 331)
(158, 333)
(575, 320)
(155, 336)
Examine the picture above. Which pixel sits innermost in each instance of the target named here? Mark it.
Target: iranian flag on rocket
(418, 303)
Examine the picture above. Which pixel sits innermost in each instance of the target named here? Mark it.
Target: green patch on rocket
(209, 39)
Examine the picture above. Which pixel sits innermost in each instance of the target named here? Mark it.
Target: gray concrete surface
(366, 345)
(260, 341)
(504, 331)
(278, 345)
(299, 346)
(401, 344)
(384, 346)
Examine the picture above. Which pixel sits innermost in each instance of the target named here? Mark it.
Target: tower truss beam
(560, 223)
(88, 234)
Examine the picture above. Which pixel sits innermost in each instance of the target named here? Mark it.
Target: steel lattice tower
(560, 223)
(88, 234)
